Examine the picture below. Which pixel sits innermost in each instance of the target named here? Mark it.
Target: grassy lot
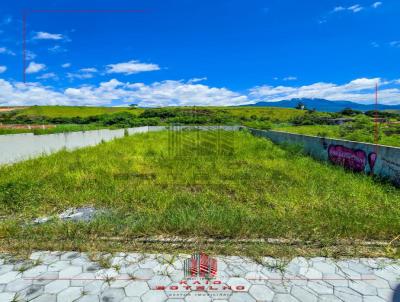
(56, 129)
(260, 190)
(334, 131)
(72, 111)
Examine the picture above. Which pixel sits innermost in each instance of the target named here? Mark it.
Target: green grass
(57, 129)
(259, 191)
(333, 131)
(73, 111)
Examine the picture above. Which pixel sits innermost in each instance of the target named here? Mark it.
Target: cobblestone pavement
(71, 276)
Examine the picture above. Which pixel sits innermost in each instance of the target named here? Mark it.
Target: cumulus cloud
(57, 49)
(41, 35)
(35, 67)
(131, 67)
(359, 90)
(2, 68)
(187, 93)
(66, 65)
(4, 50)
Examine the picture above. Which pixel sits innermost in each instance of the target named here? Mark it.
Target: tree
(300, 106)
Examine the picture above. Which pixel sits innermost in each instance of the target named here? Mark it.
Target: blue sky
(199, 52)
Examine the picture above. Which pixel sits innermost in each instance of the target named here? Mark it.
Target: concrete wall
(358, 157)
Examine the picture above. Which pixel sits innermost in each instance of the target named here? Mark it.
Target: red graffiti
(351, 159)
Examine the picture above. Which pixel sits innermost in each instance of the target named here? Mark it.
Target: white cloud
(290, 78)
(359, 90)
(185, 93)
(376, 4)
(30, 55)
(395, 44)
(355, 8)
(132, 67)
(57, 49)
(338, 9)
(40, 35)
(81, 76)
(35, 67)
(91, 69)
(4, 50)
(2, 68)
(66, 65)
(50, 75)
(375, 44)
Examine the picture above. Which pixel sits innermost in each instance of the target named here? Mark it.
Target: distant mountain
(324, 105)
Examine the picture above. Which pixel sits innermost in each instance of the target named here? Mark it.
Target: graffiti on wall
(352, 159)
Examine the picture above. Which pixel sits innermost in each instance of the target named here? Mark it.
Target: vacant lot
(149, 184)
(70, 111)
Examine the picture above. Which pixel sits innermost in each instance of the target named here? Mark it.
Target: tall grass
(147, 188)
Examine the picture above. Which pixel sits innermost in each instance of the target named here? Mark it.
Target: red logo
(200, 265)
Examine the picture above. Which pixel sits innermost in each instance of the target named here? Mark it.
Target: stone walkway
(71, 276)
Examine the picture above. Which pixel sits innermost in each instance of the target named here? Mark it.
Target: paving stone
(112, 295)
(310, 273)
(89, 298)
(35, 271)
(45, 298)
(328, 298)
(377, 282)
(320, 287)
(261, 292)
(46, 278)
(56, 286)
(6, 297)
(136, 299)
(154, 296)
(5, 268)
(159, 280)
(144, 274)
(303, 294)
(17, 285)
(374, 299)
(83, 279)
(70, 294)
(58, 266)
(200, 298)
(136, 288)
(385, 294)
(95, 287)
(235, 282)
(70, 272)
(284, 298)
(241, 297)
(347, 294)
(363, 288)
(31, 292)
(69, 255)
(9, 277)
(325, 268)
(336, 280)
